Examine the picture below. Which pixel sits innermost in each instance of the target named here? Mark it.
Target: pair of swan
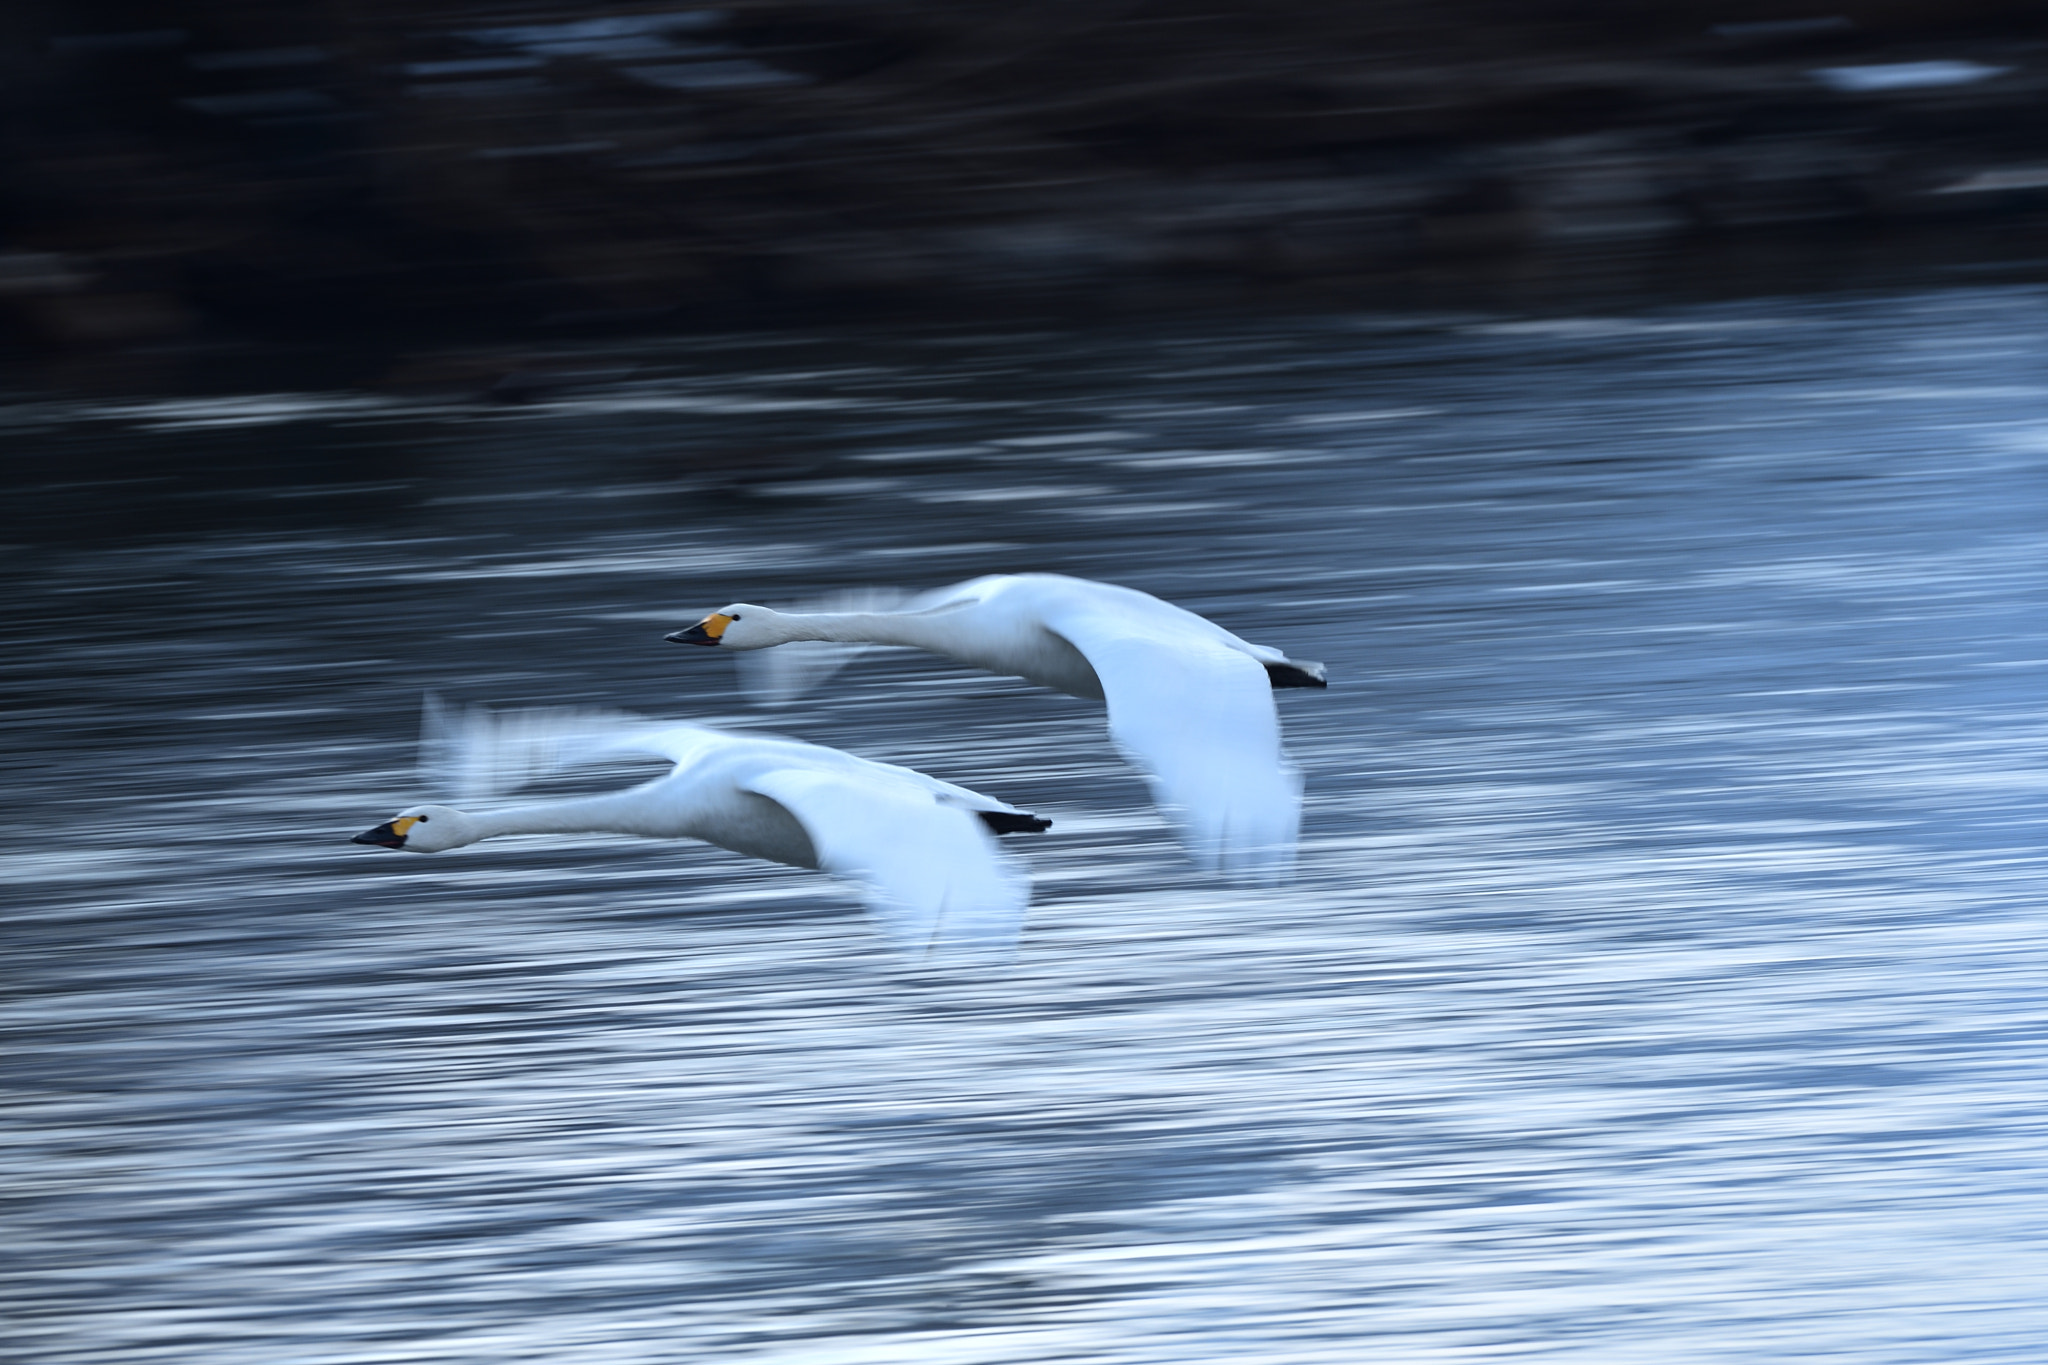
(1189, 704)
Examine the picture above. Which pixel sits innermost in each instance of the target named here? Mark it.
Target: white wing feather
(778, 676)
(1197, 717)
(931, 874)
(476, 753)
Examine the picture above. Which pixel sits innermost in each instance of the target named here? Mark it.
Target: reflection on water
(1662, 980)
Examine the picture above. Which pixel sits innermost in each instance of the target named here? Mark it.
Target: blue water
(1663, 979)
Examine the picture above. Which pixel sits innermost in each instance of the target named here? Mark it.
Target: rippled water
(1663, 980)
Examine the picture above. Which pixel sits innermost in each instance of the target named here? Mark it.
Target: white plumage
(1190, 704)
(920, 850)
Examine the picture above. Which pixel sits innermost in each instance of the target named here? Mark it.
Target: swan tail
(1014, 821)
(1296, 673)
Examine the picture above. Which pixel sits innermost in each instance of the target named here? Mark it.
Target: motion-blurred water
(1662, 982)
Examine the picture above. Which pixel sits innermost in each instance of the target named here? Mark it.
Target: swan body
(1190, 703)
(920, 850)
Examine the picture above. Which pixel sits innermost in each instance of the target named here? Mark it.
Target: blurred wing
(475, 753)
(931, 875)
(1197, 717)
(783, 674)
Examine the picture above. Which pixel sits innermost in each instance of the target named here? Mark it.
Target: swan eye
(735, 616)
(422, 819)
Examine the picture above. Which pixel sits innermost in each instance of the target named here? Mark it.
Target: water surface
(1662, 980)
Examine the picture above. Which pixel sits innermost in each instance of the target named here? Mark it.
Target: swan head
(739, 626)
(423, 829)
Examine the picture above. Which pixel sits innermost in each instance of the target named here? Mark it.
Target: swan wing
(1197, 716)
(930, 873)
(779, 676)
(786, 673)
(475, 753)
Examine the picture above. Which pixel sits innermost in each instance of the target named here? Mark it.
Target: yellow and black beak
(388, 835)
(705, 632)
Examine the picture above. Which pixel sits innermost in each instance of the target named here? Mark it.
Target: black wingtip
(1292, 674)
(1013, 822)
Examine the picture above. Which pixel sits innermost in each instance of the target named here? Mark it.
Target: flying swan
(1190, 704)
(920, 850)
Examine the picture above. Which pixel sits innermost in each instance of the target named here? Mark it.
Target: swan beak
(386, 835)
(705, 632)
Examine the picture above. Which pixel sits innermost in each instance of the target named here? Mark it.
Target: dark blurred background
(1639, 407)
(402, 171)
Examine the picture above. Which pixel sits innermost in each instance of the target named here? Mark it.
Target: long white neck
(611, 814)
(917, 630)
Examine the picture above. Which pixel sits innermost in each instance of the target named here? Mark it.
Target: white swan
(1189, 703)
(920, 849)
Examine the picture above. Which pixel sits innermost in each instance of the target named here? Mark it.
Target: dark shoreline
(397, 182)
(467, 354)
